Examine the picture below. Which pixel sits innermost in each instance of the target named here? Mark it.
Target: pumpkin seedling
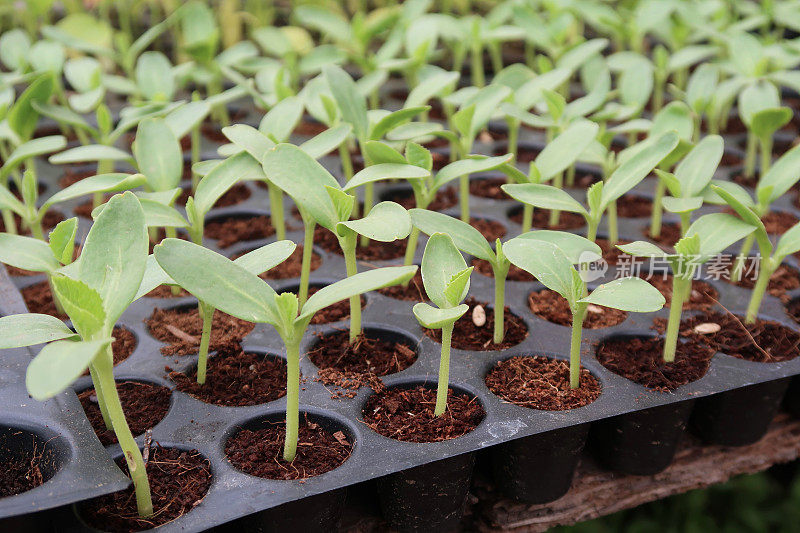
(760, 110)
(705, 238)
(553, 266)
(234, 290)
(601, 194)
(106, 280)
(321, 200)
(445, 276)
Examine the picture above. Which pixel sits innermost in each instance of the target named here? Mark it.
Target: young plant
(445, 276)
(106, 280)
(227, 286)
(761, 112)
(705, 238)
(601, 194)
(771, 256)
(553, 267)
(321, 200)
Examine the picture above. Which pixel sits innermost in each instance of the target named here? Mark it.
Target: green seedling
(601, 194)
(760, 110)
(445, 276)
(553, 267)
(106, 279)
(705, 238)
(232, 289)
(321, 200)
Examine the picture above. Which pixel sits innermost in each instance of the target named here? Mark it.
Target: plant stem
(369, 200)
(463, 193)
(513, 137)
(767, 269)
(555, 215)
(100, 398)
(348, 244)
(444, 370)
(766, 155)
(750, 157)
(680, 288)
(9, 221)
(686, 221)
(591, 230)
(613, 229)
(308, 252)
(411, 249)
(500, 273)
(738, 266)
(658, 210)
(571, 176)
(207, 313)
(527, 217)
(292, 398)
(133, 456)
(195, 140)
(276, 211)
(578, 315)
(476, 70)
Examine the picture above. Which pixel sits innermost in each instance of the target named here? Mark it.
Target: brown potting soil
(540, 382)
(490, 229)
(764, 342)
(551, 306)
(445, 198)
(730, 159)
(178, 482)
(144, 405)
(292, 267)
(182, 327)
(775, 222)
(39, 299)
(235, 195)
(413, 292)
(165, 291)
(236, 378)
(541, 219)
(634, 206)
(227, 231)
(259, 452)
(702, 296)
(71, 177)
(488, 188)
(785, 278)
(335, 312)
(611, 254)
(123, 346)
(514, 272)
(374, 251)
(49, 221)
(641, 360)
(407, 414)
(22, 471)
(739, 178)
(670, 234)
(468, 336)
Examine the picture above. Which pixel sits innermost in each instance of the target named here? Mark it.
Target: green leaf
(782, 175)
(101, 183)
(700, 88)
(564, 150)
(441, 262)
(643, 249)
(158, 154)
(695, 171)
(221, 178)
(788, 244)
(217, 281)
(378, 152)
(717, 231)
(90, 152)
(29, 149)
(386, 222)
(766, 122)
(432, 318)
(182, 119)
(546, 262)
(756, 97)
(17, 331)
(200, 32)
(635, 169)
(27, 253)
(266, 257)
(304, 179)
(282, 119)
(63, 115)
(22, 117)
(682, 204)
(627, 294)
(62, 240)
(154, 77)
(115, 253)
(544, 196)
(59, 364)
(353, 286)
(578, 55)
(575, 247)
(9, 201)
(434, 85)
(82, 304)
(675, 116)
(465, 237)
(417, 130)
(14, 46)
(385, 171)
(393, 120)
(464, 167)
(352, 105)
(156, 214)
(249, 139)
(327, 141)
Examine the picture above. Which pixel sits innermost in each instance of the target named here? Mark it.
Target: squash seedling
(107, 278)
(553, 267)
(771, 256)
(601, 194)
(232, 289)
(705, 238)
(416, 167)
(445, 276)
(321, 200)
(761, 112)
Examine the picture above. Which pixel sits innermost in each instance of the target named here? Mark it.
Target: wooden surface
(596, 492)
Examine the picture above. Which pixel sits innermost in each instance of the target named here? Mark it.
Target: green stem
(444, 370)
(613, 229)
(555, 215)
(308, 252)
(658, 210)
(591, 230)
(100, 398)
(133, 456)
(686, 220)
(513, 137)
(347, 163)
(292, 399)
(658, 96)
(767, 269)
(9, 221)
(500, 274)
(207, 313)
(766, 155)
(738, 266)
(578, 316)
(463, 197)
(680, 288)
(195, 140)
(411, 249)
(348, 244)
(527, 217)
(476, 71)
(369, 201)
(750, 157)
(571, 176)
(276, 211)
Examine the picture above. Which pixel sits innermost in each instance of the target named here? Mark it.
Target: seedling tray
(192, 424)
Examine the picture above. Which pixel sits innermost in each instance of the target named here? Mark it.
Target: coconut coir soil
(182, 327)
(468, 336)
(553, 307)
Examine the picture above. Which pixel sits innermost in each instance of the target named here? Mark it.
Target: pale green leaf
(17, 331)
(59, 364)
